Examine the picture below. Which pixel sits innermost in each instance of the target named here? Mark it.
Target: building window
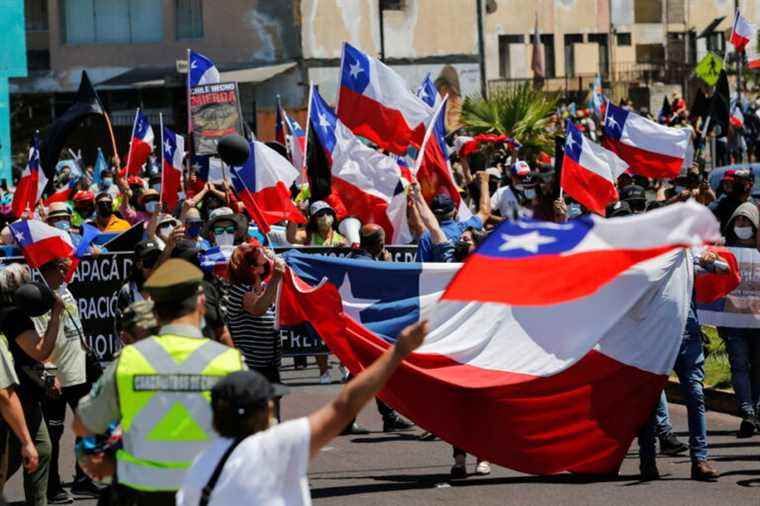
(623, 39)
(548, 41)
(111, 21)
(189, 19)
(36, 14)
(604, 60)
(650, 53)
(392, 5)
(647, 11)
(570, 40)
(505, 41)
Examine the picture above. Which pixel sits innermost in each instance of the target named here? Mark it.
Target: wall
(12, 64)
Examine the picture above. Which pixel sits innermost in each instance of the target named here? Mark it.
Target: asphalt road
(392, 469)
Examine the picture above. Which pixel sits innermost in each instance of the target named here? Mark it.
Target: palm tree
(518, 111)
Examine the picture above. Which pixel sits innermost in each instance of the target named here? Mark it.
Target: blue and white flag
(201, 70)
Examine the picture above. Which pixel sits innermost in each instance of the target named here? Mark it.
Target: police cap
(174, 281)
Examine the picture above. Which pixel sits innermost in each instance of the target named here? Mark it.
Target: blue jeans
(744, 357)
(689, 367)
(663, 426)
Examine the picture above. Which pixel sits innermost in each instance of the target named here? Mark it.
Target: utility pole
(381, 21)
(610, 41)
(481, 50)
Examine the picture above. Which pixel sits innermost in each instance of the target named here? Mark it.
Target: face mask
(325, 221)
(151, 206)
(193, 229)
(157, 187)
(105, 209)
(107, 182)
(530, 193)
(573, 211)
(225, 239)
(62, 224)
(165, 231)
(743, 233)
(679, 189)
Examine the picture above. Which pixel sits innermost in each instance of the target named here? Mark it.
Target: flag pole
(129, 153)
(113, 138)
(189, 127)
(302, 168)
(161, 194)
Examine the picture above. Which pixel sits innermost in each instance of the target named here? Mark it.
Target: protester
(105, 219)
(269, 465)
(743, 345)
(321, 229)
(741, 190)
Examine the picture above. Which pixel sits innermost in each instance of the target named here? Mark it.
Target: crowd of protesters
(497, 182)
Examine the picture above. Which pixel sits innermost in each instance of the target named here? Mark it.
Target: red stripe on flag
(366, 207)
(171, 185)
(139, 152)
(46, 250)
(433, 174)
(645, 163)
(276, 206)
(587, 187)
(370, 119)
(25, 194)
(254, 210)
(542, 280)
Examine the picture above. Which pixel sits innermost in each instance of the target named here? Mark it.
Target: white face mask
(157, 187)
(225, 239)
(530, 193)
(151, 206)
(743, 233)
(165, 231)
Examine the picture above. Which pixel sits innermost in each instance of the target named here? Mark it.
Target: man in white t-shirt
(268, 465)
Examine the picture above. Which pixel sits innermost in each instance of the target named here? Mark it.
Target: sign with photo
(215, 113)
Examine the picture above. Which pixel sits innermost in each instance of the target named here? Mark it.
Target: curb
(721, 401)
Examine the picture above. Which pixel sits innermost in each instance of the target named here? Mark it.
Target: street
(390, 469)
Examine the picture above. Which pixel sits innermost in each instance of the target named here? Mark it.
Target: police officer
(158, 390)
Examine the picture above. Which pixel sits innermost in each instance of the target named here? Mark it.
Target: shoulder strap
(206, 492)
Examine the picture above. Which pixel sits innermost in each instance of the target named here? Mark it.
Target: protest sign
(403, 254)
(215, 113)
(95, 286)
(740, 308)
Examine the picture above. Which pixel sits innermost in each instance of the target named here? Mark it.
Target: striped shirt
(255, 336)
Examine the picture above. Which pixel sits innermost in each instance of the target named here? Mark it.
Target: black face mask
(105, 209)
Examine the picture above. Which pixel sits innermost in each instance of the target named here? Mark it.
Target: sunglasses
(230, 229)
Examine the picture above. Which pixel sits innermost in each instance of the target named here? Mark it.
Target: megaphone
(233, 149)
(349, 228)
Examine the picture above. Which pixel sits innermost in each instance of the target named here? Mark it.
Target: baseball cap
(57, 209)
(745, 174)
(244, 392)
(147, 250)
(520, 168)
(319, 205)
(633, 192)
(84, 196)
(442, 204)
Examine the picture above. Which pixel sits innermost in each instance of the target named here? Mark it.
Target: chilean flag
(432, 168)
(368, 183)
(564, 387)
(375, 103)
(172, 154)
(64, 194)
(650, 149)
(32, 183)
(216, 259)
(295, 141)
(742, 33)
(711, 287)
(201, 70)
(428, 93)
(593, 251)
(141, 144)
(589, 171)
(40, 242)
(279, 127)
(263, 184)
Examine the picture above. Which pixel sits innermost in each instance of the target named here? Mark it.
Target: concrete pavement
(391, 469)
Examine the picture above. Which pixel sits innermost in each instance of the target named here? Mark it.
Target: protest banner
(740, 308)
(215, 113)
(405, 254)
(95, 286)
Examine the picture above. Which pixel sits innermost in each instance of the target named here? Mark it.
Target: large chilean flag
(141, 144)
(263, 184)
(651, 150)
(589, 172)
(376, 103)
(368, 184)
(563, 387)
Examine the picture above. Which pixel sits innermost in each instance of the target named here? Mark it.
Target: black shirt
(13, 323)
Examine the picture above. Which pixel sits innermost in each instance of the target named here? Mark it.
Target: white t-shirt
(505, 201)
(268, 468)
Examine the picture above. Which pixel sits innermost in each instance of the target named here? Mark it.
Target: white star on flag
(612, 123)
(323, 122)
(194, 64)
(570, 142)
(19, 237)
(168, 147)
(353, 306)
(355, 69)
(530, 242)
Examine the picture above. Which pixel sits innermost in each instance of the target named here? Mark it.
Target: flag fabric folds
(428, 93)
(141, 144)
(375, 102)
(172, 156)
(40, 242)
(710, 287)
(742, 32)
(368, 184)
(650, 149)
(266, 179)
(518, 262)
(31, 184)
(201, 70)
(100, 166)
(432, 168)
(86, 103)
(572, 382)
(589, 172)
